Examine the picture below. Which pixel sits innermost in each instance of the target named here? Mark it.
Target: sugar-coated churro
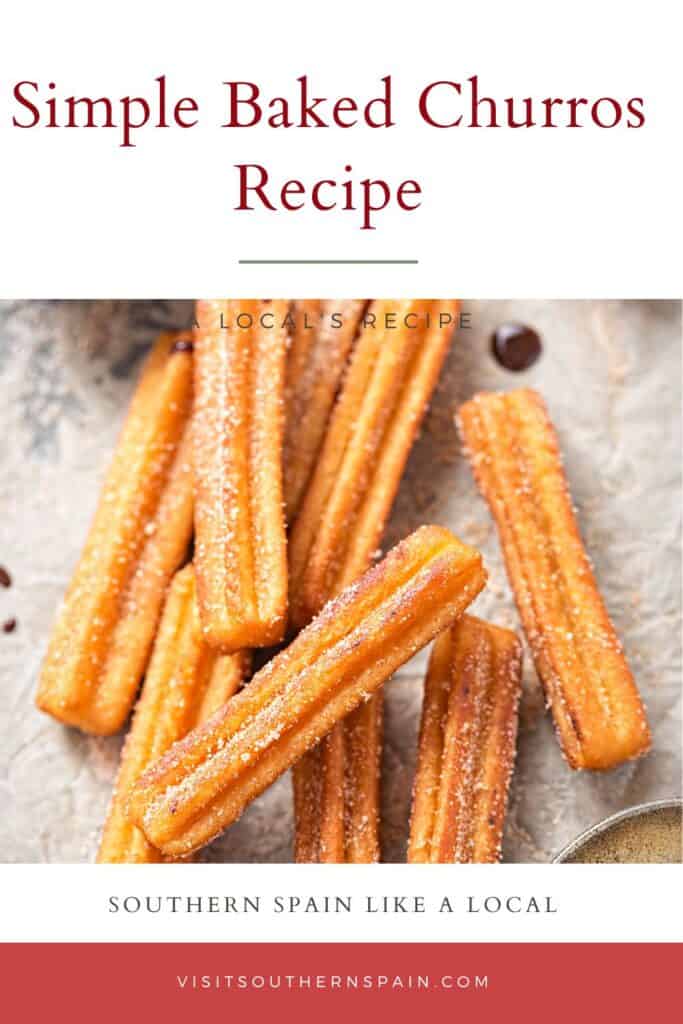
(386, 389)
(186, 682)
(240, 546)
(103, 636)
(205, 781)
(388, 385)
(323, 334)
(513, 449)
(467, 745)
(336, 792)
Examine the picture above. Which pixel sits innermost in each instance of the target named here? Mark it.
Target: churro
(140, 534)
(204, 782)
(513, 449)
(467, 745)
(240, 545)
(386, 390)
(186, 682)
(336, 792)
(374, 422)
(324, 332)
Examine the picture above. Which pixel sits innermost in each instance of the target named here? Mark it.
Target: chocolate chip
(516, 346)
(9, 626)
(5, 578)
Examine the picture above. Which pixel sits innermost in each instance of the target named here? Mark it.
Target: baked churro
(513, 449)
(316, 359)
(389, 382)
(186, 682)
(140, 534)
(240, 546)
(467, 745)
(336, 792)
(205, 781)
(374, 422)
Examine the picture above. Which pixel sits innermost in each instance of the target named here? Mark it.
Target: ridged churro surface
(316, 360)
(513, 450)
(467, 745)
(336, 792)
(240, 546)
(186, 682)
(388, 384)
(140, 534)
(373, 424)
(359, 639)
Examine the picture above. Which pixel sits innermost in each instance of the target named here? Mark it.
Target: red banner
(181, 982)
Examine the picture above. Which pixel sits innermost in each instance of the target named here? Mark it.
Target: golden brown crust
(205, 781)
(386, 389)
(336, 792)
(240, 548)
(140, 534)
(363, 754)
(319, 802)
(316, 360)
(513, 450)
(467, 745)
(385, 392)
(186, 683)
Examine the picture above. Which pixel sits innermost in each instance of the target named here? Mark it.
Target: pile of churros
(243, 512)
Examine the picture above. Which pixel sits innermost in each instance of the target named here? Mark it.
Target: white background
(595, 903)
(563, 213)
(506, 213)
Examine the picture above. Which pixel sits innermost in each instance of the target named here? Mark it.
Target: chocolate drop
(516, 346)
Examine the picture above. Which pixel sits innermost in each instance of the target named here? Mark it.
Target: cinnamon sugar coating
(467, 745)
(376, 417)
(316, 360)
(140, 534)
(513, 450)
(337, 792)
(387, 387)
(240, 545)
(186, 683)
(359, 639)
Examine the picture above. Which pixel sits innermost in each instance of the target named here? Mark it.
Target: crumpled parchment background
(611, 374)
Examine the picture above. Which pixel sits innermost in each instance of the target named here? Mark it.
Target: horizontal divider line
(326, 261)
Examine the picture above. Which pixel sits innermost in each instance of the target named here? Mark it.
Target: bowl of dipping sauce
(647, 834)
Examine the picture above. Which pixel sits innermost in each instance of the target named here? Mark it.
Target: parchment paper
(611, 375)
